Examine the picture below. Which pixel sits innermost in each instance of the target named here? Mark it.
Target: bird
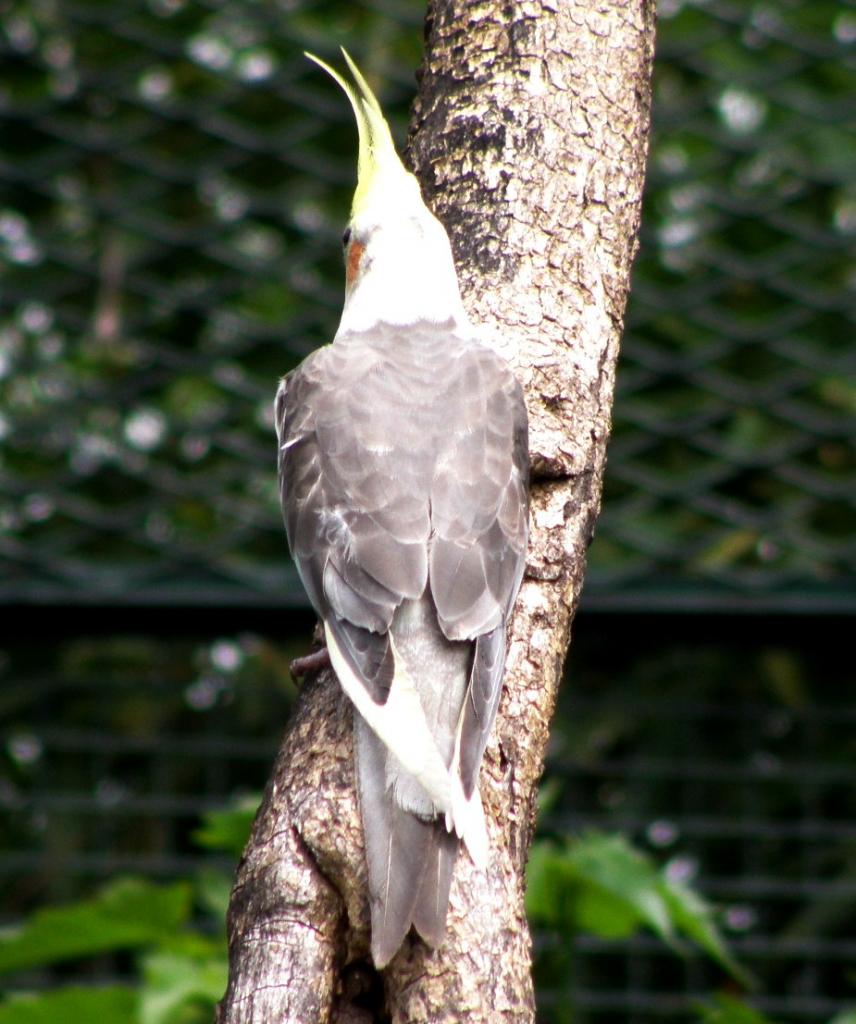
(404, 478)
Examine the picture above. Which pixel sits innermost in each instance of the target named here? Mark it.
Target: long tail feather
(429, 914)
(410, 861)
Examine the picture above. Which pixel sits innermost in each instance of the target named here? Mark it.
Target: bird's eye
(346, 237)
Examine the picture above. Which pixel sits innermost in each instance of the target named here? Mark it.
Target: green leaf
(726, 1010)
(229, 829)
(125, 914)
(111, 1005)
(548, 796)
(618, 879)
(547, 877)
(848, 1017)
(600, 884)
(599, 912)
(213, 889)
(194, 945)
(693, 916)
(172, 984)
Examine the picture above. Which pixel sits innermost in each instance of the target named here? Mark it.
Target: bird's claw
(313, 662)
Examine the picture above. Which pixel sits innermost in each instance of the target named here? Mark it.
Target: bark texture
(529, 137)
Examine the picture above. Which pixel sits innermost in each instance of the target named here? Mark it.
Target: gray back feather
(403, 461)
(403, 466)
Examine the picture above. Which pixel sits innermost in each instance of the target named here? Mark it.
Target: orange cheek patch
(355, 254)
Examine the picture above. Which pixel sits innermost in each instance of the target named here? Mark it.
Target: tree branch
(530, 138)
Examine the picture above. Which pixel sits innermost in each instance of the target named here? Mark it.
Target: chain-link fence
(731, 471)
(173, 180)
(731, 761)
(731, 758)
(171, 196)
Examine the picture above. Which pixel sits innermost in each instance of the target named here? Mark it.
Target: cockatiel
(403, 465)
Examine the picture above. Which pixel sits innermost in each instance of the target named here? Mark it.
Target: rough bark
(530, 138)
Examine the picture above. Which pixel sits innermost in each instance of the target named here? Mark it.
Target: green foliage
(227, 830)
(181, 968)
(598, 883)
(127, 914)
(178, 987)
(114, 1004)
(601, 885)
(726, 1010)
(693, 917)
(191, 257)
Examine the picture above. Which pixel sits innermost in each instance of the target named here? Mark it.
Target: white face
(414, 238)
(398, 263)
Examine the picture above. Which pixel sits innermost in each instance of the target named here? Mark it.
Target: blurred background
(174, 177)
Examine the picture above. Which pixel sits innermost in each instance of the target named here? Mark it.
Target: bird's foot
(313, 662)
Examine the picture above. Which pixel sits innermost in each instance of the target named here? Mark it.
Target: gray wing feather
(404, 464)
(397, 477)
(479, 553)
(357, 528)
(479, 502)
(481, 704)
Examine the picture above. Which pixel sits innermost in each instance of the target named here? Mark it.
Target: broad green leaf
(125, 914)
(602, 885)
(547, 879)
(599, 912)
(110, 1005)
(848, 1017)
(228, 830)
(692, 916)
(608, 868)
(548, 796)
(213, 889)
(597, 884)
(193, 944)
(726, 1010)
(172, 984)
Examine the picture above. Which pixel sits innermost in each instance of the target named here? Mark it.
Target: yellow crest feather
(377, 156)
